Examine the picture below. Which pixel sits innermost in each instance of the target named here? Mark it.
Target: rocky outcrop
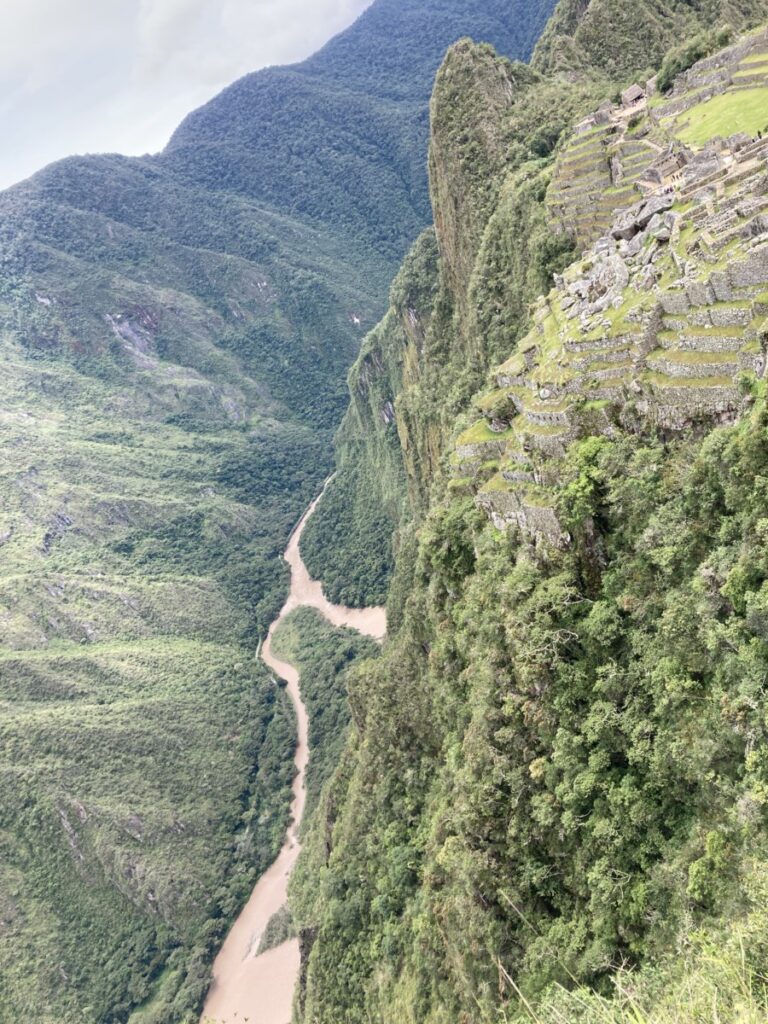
(468, 151)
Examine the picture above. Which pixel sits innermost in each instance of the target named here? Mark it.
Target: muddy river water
(259, 989)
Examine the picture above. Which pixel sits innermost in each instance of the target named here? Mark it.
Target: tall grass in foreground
(717, 991)
(714, 980)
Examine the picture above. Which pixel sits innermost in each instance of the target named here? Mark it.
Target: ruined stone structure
(617, 154)
(660, 322)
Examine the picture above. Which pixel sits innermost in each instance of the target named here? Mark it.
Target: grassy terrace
(523, 426)
(624, 364)
(514, 366)
(690, 357)
(744, 110)
(755, 58)
(614, 335)
(498, 483)
(755, 69)
(661, 380)
(488, 401)
(703, 332)
(480, 433)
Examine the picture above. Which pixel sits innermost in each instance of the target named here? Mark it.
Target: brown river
(259, 989)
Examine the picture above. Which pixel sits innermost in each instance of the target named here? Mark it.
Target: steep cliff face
(552, 770)
(428, 344)
(348, 544)
(175, 332)
(467, 154)
(621, 40)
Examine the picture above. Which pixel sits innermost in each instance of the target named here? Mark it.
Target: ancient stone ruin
(661, 322)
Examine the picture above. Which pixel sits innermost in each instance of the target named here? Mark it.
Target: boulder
(655, 205)
(647, 279)
(635, 246)
(639, 216)
(625, 226)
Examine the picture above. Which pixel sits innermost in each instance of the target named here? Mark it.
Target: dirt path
(259, 989)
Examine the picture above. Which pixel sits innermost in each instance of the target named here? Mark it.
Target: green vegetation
(581, 749)
(742, 111)
(145, 754)
(355, 564)
(627, 42)
(348, 542)
(710, 982)
(279, 929)
(551, 805)
(324, 656)
(685, 56)
(479, 433)
(175, 332)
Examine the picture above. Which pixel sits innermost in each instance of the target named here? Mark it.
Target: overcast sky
(87, 76)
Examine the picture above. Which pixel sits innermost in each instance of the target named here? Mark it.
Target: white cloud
(89, 75)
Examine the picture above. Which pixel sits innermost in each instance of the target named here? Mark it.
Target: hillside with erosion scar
(249, 985)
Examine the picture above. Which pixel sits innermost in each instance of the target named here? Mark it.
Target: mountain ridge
(173, 362)
(550, 805)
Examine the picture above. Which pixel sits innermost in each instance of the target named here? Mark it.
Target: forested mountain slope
(174, 335)
(552, 803)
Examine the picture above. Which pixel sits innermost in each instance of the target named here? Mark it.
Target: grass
(514, 366)
(540, 429)
(491, 399)
(596, 405)
(661, 380)
(735, 111)
(755, 58)
(498, 483)
(751, 72)
(625, 364)
(710, 979)
(538, 497)
(719, 995)
(711, 984)
(703, 332)
(479, 433)
(690, 357)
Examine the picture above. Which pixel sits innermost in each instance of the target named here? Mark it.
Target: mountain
(551, 806)
(175, 333)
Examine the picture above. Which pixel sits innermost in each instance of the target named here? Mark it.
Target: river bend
(251, 989)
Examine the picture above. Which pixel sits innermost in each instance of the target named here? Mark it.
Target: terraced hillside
(552, 806)
(664, 319)
(602, 166)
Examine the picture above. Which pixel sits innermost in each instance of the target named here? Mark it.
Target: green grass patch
(755, 58)
(661, 380)
(735, 111)
(479, 433)
(690, 357)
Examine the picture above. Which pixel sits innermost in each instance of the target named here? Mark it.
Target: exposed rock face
(640, 216)
(472, 91)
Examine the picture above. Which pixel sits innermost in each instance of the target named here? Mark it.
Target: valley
(249, 985)
(175, 332)
(390, 645)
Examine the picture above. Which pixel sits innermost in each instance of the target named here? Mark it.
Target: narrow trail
(259, 989)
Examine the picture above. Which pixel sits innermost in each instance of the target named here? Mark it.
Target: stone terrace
(660, 319)
(611, 157)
